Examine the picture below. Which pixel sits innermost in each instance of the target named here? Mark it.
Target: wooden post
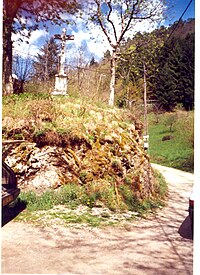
(145, 137)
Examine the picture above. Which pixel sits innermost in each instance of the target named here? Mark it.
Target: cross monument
(61, 77)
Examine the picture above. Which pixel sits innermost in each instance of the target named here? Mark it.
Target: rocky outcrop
(81, 145)
(111, 157)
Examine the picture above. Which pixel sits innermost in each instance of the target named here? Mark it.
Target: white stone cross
(61, 77)
(63, 37)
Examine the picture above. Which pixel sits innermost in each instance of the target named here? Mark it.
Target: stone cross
(61, 77)
(63, 37)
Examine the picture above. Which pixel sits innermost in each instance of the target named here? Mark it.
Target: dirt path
(160, 245)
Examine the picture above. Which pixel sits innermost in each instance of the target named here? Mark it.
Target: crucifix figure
(61, 77)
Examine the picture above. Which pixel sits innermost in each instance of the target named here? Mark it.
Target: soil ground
(161, 244)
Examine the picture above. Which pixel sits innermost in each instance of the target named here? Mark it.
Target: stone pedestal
(60, 85)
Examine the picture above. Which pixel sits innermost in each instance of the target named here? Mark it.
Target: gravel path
(161, 244)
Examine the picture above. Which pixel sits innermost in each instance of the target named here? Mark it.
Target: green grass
(59, 217)
(72, 195)
(59, 206)
(177, 152)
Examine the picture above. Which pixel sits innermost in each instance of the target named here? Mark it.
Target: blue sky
(180, 6)
(94, 43)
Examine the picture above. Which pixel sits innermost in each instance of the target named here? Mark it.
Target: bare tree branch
(110, 21)
(100, 20)
(129, 21)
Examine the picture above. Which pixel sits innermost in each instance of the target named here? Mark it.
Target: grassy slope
(177, 152)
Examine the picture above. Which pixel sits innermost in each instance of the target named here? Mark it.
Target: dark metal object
(10, 191)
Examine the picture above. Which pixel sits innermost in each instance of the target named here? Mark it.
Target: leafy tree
(141, 49)
(25, 16)
(167, 76)
(169, 64)
(46, 63)
(116, 19)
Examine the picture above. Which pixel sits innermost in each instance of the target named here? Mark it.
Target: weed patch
(74, 204)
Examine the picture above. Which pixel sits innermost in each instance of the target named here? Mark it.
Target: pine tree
(46, 64)
(187, 72)
(166, 78)
(174, 81)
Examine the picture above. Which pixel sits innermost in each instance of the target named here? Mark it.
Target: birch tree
(118, 19)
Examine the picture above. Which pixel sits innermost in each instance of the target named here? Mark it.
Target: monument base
(60, 85)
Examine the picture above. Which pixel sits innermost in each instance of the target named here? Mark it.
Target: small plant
(170, 120)
(160, 185)
(44, 201)
(83, 176)
(69, 194)
(129, 198)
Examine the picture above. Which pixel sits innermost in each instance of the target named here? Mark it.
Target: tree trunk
(7, 58)
(112, 80)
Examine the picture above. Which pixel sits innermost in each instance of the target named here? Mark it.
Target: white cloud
(96, 43)
(92, 35)
(80, 36)
(88, 34)
(21, 47)
(37, 34)
(99, 44)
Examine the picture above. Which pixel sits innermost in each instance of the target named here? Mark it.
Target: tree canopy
(170, 67)
(174, 79)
